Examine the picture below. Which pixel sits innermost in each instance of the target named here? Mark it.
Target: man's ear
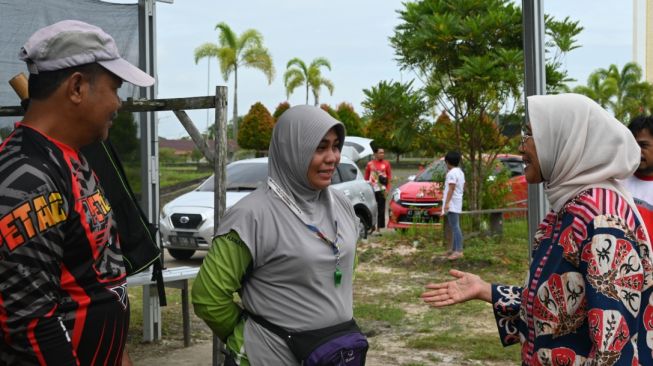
(76, 86)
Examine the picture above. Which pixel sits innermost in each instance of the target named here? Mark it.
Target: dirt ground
(387, 344)
(385, 352)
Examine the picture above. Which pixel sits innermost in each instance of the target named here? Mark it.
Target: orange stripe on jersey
(32, 340)
(3, 321)
(78, 294)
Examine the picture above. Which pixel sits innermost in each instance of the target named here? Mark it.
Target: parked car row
(419, 202)
(187, 222)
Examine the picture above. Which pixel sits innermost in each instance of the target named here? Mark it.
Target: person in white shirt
(452, 204)
(640, 184)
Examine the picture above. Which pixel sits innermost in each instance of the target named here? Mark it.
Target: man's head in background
(452, 159)
(75, 73)
(642, 128)
(379, 153)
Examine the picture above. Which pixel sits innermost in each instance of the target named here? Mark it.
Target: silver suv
(186, 223)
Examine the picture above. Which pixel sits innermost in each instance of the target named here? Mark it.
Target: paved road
(194, 261)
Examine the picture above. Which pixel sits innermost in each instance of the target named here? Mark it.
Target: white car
(360, 147)
(186, 223)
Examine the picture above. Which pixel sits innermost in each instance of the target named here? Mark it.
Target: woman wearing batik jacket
(293, 276)
(587, 299)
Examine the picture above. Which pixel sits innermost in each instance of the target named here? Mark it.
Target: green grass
(473, 347)
(393, 270)
(172, 334)
(391, 275)
(168, 175)
(380, 312)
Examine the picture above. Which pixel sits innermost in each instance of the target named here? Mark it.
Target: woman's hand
(466, 286)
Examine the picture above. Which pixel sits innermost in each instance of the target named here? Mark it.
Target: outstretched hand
(466, 286)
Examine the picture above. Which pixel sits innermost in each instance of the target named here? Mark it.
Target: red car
(419, 202)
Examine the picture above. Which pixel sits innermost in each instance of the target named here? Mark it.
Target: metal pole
(220, 182)
(208, 85)
(534, 84)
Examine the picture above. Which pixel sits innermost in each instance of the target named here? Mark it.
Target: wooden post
(220, 148)
(220, 183)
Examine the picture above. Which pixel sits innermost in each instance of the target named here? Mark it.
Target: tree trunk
(235, 117)
(307, 90)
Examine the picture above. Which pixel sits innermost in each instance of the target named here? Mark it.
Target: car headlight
(396, 195)
(163, 214)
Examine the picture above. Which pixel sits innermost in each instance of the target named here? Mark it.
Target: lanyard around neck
(292, 205)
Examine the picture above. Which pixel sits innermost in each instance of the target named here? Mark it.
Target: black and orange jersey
(63, 295)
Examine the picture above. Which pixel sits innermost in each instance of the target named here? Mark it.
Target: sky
(351, 34)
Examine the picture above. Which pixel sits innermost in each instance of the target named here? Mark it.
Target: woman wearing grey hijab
(287, 248)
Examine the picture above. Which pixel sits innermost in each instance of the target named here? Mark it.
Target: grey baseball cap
(73, 43)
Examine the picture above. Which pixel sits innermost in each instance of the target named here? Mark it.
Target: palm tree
(598, 88)
(233, 51)
(622, 91)
(297, 73)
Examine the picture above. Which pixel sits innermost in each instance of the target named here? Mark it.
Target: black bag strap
(157, 275)
(143, 248)
(284, 334)
(302, 343)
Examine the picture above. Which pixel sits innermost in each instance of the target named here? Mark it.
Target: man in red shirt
(640, 184)
(378, 174)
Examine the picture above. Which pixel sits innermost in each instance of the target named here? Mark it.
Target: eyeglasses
(525, 135)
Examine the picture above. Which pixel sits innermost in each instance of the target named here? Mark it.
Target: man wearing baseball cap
(63, 299)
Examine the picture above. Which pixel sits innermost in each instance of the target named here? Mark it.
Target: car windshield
(516, 166)
(433, 173)
(356, 146)
(241, 177)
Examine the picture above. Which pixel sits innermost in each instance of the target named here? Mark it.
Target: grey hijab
(292, 281)
(295, 138)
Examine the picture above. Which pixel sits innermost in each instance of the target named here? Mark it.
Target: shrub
(256, 128)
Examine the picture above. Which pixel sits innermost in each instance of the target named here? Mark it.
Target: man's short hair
(640, 123)
(43, 84)
(453, 158)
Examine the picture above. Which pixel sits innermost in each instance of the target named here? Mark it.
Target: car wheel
(181, 253)
(362, 226)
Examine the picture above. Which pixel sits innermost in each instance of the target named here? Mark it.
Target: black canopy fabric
(20, 18)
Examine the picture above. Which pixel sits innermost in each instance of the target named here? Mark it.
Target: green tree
(167, 155)
(256, 130)
(395, 113)
(560, 40)
(230, 130)
(469, 55)
(352, 121)
(622, 91)
(233, 52)
(327, 108)
(297, 74)
(282, 107)
(598, 88)
(123, 136)
(434, 139)
(196, 155)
